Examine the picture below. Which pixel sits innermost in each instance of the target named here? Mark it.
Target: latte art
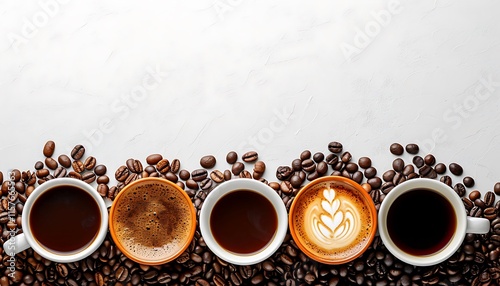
(332, 221)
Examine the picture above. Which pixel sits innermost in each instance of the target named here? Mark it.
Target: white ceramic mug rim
(231, 186)
(442, 189)
(101, 235)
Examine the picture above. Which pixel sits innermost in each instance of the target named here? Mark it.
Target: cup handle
(477, 225)
(16, 244)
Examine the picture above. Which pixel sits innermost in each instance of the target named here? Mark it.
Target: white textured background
(186, 79)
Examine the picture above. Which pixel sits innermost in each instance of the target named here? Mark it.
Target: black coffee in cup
(65, 219)
(421, 222)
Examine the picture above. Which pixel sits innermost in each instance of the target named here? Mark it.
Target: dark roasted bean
(77, 152)
(163, 166)
(370, 172)
(100, 170)
(51, 163)
(418, 161)
(208, 161)
(335, 147)
(398, 165)
(121, 173)
(88, 177)
(283, 173)
(429, 159)
(396, 149)
(48, 148)
(237, 168)
(440, 168)
(308, 165)
(331, 159)
(459, 189)
(412, 148)
(456, 169)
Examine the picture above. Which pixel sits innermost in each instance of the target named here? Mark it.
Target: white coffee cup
(464, 224)
(26, 239)
(236, 185)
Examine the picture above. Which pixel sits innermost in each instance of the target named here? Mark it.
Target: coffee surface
(65, 219)
(332, 222)
(243, 221)
(417, 230)
(152, 221)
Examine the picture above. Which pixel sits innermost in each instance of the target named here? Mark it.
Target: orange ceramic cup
(333, 220)
(152, 221)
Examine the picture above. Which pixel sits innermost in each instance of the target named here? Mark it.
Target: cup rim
(56, 257)
(232, 186)
(150, 180)
(368, 201)
(437, 187)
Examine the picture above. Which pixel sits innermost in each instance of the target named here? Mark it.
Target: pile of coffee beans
(475, 263)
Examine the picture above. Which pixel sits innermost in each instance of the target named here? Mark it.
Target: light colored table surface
(127, 79)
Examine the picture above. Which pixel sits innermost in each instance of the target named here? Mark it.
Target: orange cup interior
(350, 185)
(133, 186)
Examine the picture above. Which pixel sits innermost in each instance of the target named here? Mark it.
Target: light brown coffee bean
(237, 168)
(175, 166)
(64, 160)
(48, 148)
(78, 166)
(259, 167)
(89, 163)
(103, 190)
(153, 159)
(88, 177)
(102, 179)
(121, 173)
(163, 166)
(51, 163)
(217, 176)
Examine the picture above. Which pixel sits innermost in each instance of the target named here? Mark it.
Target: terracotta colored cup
(152, 221)
(333, 220)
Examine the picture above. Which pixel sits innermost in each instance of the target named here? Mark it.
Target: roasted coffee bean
(103, 190)
(456, 169)
(89, 163)
(335, 147)
(418, 161)
(408, 169)
(459, 189)
(50, 163)
(370, 172)
(308, 165)
(398, 165)
(447, 180)
(412, 148)
(357, 177)
(48, 148)
(163, 166)
(440, 168)
(346, 157)
(396, 149)
(78, 166)
(250, 156)
(490, 213)
(38, 165)
(297, 164)
(322, 168)
(474, 195)
(496, 188)
(259, 167)
(331, 159)
(88, 177)
(121, 173)
(489, 198)
(365, 162)
(351, 167)
(286, 187)
(175, 166)
(318, 157)
(77, 152)
(208, 161)
(313, 176)
(388, 175)
(42, 173)
(306, 154)
(134, 166)
(206, 184)
(184, 174)
(429, 159)
(74, 175)
(387, 187)
(296, 181)
(283, 173)
(398, 179)
(237, 168)
(468, 182)
(153, 159)
(192, 184)
(64, 160)
(231, 157)
(424, 170)
(432, 174)
(227, 175)
(468, 204)
(375, 182)
(217, 176)
(100, 170)
(102, 179)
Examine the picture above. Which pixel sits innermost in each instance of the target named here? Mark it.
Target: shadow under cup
(333, 220)
(152, 221)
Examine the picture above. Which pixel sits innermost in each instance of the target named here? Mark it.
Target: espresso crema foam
(332, 222)
(152, 221)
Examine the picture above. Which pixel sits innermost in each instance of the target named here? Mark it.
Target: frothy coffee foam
(332, 222)
(153, 221)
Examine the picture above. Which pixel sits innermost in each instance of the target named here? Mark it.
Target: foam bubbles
(153, 221)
